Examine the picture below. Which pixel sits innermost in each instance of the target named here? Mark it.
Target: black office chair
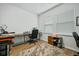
(33, 37)
(76, 37)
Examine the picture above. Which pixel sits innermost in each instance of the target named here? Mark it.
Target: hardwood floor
(21, 47)
(69, 52)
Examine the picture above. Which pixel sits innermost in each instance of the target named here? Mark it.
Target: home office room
(39, 29)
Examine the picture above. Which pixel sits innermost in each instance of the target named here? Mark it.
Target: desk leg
(24, 39)
(7, 50)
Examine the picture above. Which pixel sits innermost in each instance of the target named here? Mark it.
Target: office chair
(33, 36)
(76, 37)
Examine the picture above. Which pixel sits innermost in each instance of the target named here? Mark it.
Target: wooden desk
(51, 39)
(5, 41)
(14, 35)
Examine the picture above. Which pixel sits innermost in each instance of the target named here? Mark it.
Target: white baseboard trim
(77, 50)
(45, 39)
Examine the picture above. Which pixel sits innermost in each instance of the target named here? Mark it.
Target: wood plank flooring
(21, 47)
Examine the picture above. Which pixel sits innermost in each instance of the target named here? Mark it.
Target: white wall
(56, 16)
(0, 15)
(77, 14)
(17, 19)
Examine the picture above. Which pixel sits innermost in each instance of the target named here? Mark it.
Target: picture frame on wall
(77, 21)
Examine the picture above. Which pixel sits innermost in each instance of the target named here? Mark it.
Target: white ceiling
(35, 8)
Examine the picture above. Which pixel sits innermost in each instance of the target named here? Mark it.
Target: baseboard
(45, 40)
(16, 44)
(77, 50)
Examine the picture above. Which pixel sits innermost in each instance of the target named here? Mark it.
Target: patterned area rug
(43, 49)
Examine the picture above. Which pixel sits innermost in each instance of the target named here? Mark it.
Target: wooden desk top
(54, 37)
(15, 34)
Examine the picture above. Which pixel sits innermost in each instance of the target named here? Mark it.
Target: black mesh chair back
(76, 37)
(34, 34)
